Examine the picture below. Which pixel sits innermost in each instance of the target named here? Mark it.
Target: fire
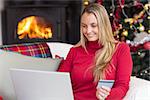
(34, 27)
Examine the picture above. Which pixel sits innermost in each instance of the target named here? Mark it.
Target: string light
(141, 27)
(111, 14)
(86, 2)
(149, 31)
(139, 53)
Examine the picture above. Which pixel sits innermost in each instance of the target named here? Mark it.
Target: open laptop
(41, 85)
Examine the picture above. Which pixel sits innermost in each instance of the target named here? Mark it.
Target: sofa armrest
(58, 48)
(139, 89)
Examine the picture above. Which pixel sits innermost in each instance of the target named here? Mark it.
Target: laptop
(41, 85)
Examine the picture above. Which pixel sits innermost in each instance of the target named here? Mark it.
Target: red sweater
(79, 64)
(1, 98)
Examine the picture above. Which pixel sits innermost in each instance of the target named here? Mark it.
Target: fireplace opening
(34, 27)
(26, 21)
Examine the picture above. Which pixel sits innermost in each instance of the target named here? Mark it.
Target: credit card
(107, 83)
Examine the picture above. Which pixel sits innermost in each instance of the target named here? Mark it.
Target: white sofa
(139, 88)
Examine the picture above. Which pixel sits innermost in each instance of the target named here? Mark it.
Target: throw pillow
(40, 49)
(59, 49)
(14, 60)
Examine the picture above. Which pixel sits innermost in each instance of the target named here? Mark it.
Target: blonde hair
(105, 38)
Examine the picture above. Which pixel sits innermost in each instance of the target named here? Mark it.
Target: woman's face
(89, 26)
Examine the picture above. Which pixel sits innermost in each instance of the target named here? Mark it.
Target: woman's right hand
(102, 92)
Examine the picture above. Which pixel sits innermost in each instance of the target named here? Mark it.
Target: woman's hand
(102, 92)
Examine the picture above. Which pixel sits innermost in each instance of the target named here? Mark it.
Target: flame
(34, 27)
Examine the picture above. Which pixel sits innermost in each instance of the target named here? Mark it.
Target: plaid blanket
(30, 49)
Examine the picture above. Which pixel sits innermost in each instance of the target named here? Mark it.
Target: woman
(98, 56)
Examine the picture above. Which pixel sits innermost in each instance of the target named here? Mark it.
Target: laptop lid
(41, 85)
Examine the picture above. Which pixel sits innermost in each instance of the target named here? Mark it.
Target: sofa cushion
(30, 49)
(14, 60)
(139, 89)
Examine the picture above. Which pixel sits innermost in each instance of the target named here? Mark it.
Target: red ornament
(100, 1)
(135, 48)
(147, 45)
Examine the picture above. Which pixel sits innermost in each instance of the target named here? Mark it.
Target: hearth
(41, 20)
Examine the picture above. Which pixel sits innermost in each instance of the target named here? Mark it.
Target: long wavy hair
(105, 38)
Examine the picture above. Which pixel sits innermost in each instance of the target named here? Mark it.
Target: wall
(1, 7)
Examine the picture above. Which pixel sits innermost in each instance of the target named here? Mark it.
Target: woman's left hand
(102, 92)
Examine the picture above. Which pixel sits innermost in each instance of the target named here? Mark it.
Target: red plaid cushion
(30, 49)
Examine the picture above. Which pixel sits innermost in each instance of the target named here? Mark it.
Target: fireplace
(25, 21)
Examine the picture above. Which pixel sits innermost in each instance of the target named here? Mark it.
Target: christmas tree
(130, 21)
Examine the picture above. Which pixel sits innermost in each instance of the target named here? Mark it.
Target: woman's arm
(66, 64)
(123, 73)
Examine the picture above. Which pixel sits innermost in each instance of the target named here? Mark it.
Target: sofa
(44, 56)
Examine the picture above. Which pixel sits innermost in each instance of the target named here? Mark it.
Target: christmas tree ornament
(86, 2)
(147, 45)
(125, 32)
(141, 28)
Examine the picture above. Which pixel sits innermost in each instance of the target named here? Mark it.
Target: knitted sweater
(79, 64)
(1, 98)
